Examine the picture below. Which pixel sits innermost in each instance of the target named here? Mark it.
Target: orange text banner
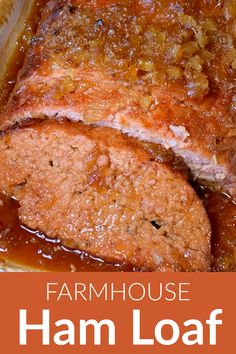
(117, 313)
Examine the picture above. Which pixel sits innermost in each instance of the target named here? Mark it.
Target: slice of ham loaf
(102, 192)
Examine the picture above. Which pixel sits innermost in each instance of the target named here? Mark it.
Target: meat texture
(102, 192)
(160, 71)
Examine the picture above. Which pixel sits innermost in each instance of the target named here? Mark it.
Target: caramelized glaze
(190, 43)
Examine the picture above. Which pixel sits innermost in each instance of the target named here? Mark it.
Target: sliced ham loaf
(102, 192)
(158, 72)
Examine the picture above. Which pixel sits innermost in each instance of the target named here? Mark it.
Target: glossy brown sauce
(31, 249)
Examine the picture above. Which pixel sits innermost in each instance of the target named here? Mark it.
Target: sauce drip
(222, 213)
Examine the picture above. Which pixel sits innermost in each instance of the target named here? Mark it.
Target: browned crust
(91, 94)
